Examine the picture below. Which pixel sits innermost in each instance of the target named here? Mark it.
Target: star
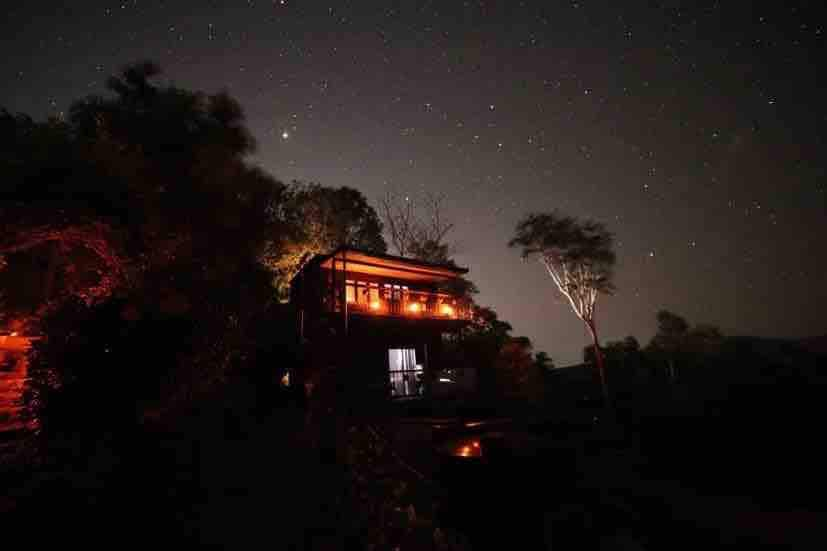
(285, 134)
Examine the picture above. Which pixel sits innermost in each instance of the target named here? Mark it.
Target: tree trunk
(49, 278)
(598, 358)
(49, 282)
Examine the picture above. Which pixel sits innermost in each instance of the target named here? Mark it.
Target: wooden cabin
(380, 321)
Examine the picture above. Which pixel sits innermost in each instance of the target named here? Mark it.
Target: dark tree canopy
(578, 254)
(47, 213)
(543, 361)
(146, 178)
(504, 362)
(142, 204)
(671, 327)
(677, 344)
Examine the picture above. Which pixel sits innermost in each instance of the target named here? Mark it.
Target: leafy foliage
(392, 506)
(518, 375)
(99, 369)
(147, 213)
(577, 254)
(317, 220)
(47, 212)
(149, 179)
(145, 203)
(504, 363)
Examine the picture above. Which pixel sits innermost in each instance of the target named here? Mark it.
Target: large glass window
(357, 293)
(406, 376)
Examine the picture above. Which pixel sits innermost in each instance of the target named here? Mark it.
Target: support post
(344, 289)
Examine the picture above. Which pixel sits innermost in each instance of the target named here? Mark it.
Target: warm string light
(414, 306)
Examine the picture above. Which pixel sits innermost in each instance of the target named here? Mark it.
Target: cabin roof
(385, 265)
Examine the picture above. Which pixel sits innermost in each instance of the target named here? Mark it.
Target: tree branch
(558, 281)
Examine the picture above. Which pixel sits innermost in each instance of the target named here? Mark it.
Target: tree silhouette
(418, 229)
(543, 361)
(670, 339)
(49, 211)
(578, 256)
(516, 371)
(150, 187)
(678, 345)
(399, 217)
(145, 179)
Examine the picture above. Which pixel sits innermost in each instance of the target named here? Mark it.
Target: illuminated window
(350, 292)
(406, 376)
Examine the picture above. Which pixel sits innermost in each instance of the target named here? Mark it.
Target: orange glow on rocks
(13, 359)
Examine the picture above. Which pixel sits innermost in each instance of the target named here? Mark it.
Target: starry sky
(695, 130)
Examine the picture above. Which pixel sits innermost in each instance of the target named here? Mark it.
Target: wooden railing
(408, 304)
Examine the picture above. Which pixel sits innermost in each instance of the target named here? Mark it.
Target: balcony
(396, 300)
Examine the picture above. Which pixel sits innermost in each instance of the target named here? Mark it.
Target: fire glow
(469, 448)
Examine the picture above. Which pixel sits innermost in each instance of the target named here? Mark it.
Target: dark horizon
(694, 133)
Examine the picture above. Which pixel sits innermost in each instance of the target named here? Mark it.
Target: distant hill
(803, 354)
(815, 345)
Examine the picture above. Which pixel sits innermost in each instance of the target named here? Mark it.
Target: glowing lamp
(415, 307)
(375, 305)
(469, 449)
(447, 310)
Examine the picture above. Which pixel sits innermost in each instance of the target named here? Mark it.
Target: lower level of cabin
(382, 360)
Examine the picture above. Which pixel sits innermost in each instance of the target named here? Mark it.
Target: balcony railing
(398, 301)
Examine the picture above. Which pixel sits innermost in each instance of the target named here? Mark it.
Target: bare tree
(417, 229)
(579, 258)
(434, 226)
(400, 220)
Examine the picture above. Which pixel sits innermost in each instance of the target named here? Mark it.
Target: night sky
(695, 132)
